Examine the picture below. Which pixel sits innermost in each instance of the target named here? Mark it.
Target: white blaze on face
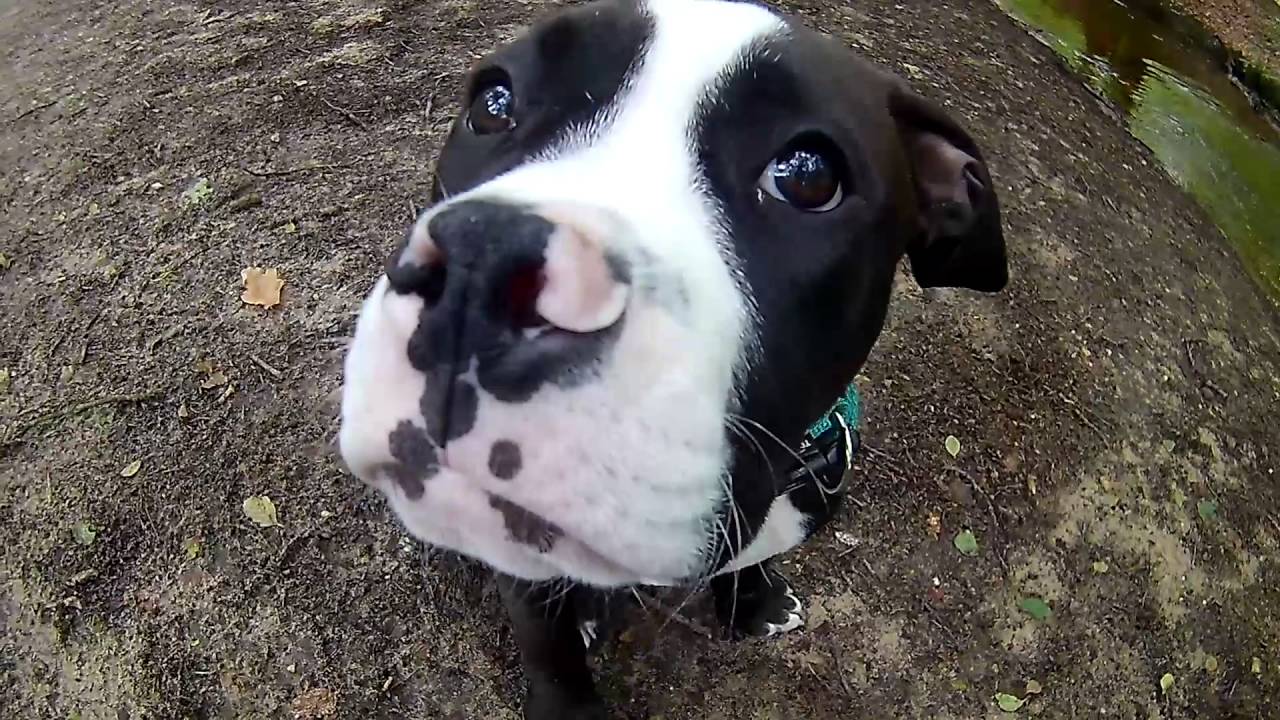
(626, 469)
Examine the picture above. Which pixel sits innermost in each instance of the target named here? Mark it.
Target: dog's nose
(517, 268)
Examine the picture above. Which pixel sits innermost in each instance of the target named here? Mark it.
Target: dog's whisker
(812, 475)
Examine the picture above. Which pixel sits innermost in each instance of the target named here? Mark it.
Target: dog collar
(826, 453)
(848, 408)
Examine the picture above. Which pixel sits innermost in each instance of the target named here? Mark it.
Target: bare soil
(1117, 408)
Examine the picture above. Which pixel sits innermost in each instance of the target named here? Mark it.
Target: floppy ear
(959, 242)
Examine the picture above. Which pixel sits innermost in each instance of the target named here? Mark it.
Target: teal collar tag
(848, 407)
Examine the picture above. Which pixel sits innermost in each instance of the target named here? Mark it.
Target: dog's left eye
(807, 176)
(493, 110)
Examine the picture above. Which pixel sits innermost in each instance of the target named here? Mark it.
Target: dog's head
(655, 219)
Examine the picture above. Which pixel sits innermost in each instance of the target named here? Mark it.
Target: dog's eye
(807, 175)
(493, 110)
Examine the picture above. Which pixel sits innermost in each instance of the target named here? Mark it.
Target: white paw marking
(795, 617)
(589, 631)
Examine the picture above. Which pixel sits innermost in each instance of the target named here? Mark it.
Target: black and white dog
(664, 239)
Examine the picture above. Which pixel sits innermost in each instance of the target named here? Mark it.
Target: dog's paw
(590, 632)
(787, 616)
(761, 604)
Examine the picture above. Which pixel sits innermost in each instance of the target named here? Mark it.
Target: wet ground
(1215, 134)
(1115, 408)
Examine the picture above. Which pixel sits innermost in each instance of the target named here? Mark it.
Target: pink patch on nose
(581, 292)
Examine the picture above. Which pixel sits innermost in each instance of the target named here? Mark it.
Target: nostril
(407, 277)
(520, 297)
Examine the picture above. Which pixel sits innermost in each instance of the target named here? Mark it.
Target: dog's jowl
(663, 242)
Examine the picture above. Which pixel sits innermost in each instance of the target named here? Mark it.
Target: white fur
(629, 466)
(784, 528)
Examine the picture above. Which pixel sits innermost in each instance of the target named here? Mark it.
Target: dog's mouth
(543, 537)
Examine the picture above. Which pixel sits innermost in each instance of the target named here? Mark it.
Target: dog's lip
(588, 552)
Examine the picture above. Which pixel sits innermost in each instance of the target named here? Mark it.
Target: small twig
(174, 267)
(84, 331)
(34, 109)
(218, 18)
(295, 171)
(17, 432)
(991, 509)
(347, 114)
(263, 364)
(676, 617)
(834, 649)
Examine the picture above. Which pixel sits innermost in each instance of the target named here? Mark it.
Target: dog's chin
(464, 514)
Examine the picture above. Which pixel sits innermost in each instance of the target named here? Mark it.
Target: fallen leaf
(261, 286)
(84, 533)
(131, 469)
(934, 524)
(967, 543)
(953, 445)
(1257, 666)
(1166, 683)
(6, 379)
(315, 704)
(1036, 608)
(1208, 509)
(214, 379)
(289, 228)
(183, 412)
(959, 685)
(1211, 663)
(192, 547)
(6, 262)
(1009, 703)
(1101, 568)
(847, 539)
(1034, 687)
(261, 510)
(197, 193)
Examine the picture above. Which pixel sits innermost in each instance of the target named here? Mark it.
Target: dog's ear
(959, 241)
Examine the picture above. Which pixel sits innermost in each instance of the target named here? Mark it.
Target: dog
(662, 242)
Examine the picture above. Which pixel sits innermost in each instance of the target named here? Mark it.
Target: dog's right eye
(808, 175)
(493, 110)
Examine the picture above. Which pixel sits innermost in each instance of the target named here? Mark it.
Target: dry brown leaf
(261, 286)
(315, 704)
(934, 525)
(215, 379)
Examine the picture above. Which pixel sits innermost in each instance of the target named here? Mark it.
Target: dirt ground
(1117, 408)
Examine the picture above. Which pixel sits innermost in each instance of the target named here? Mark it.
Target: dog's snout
(517, 268)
